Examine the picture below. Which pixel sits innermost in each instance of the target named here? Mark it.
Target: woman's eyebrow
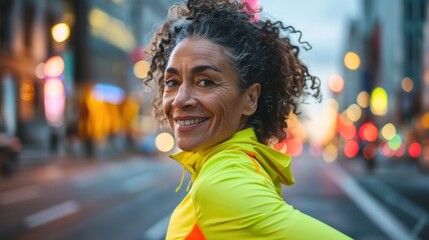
(194, 70)
(172, 70)
(202, 68)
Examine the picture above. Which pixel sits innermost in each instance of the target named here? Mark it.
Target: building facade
(104, 38)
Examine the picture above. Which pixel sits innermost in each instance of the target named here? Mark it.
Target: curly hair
(261, 51)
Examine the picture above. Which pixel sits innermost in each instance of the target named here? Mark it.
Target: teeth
(190, 122)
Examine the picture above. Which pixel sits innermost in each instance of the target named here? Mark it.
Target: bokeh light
(395, 142)
(54, 66)
(407, 84)
(164, 142)
(387, 150)
(369, 151)
(354, 112)
(294, 147)
(400, 151)
(54, 96)
(39, 71)
(388, 131)
(368, 132)
(346, 128)
(351, 149)
(141, 68)
(379, 101)
(415, 149)
(352, 60)
(60, 32)
(336, 83)
(363, 99)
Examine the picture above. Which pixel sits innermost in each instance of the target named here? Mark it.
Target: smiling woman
(202, 100)
(227, 80)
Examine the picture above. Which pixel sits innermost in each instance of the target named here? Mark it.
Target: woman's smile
(189, 122)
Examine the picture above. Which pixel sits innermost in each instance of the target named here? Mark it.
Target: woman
(226, 82)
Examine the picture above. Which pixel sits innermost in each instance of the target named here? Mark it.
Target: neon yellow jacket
(236, 194)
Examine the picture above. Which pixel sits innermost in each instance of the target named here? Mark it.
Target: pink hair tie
(254, 9)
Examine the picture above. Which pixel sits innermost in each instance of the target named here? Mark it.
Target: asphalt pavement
(400, 188)
(131, 197)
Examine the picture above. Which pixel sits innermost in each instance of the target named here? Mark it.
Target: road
(119, 199)
(132, 197)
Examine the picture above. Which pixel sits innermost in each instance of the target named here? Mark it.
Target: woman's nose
(184, 97)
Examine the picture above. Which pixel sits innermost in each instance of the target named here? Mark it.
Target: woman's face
(201, 98)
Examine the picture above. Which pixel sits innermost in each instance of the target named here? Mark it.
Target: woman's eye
(171, 83)
(205, 83)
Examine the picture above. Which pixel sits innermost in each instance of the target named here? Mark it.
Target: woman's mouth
(190, 122)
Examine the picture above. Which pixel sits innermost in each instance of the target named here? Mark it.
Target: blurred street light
(407, 84)
(388, 131)
(54, 66)
(354, 112)
(352, 60)
(379, 100)
(54, 101)
(336, 83)
(164, 142)
(60, 32)
(363, 99)
(141, 68)
(368, 132)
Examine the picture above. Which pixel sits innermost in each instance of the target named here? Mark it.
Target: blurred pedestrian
(227, 80)
(10, 148)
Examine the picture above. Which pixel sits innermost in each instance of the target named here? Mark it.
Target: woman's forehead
(198, 50)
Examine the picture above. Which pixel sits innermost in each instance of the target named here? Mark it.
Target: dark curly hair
(261, 51)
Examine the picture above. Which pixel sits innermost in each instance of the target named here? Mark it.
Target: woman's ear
(251, 101)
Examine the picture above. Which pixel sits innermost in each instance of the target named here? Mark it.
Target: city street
(131, 198)
(111, 199)
(87, 118)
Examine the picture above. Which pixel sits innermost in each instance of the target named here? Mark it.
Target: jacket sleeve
(232, 201)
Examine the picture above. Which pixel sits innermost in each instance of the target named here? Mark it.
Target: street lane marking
(19, 195)
(158, 230)
(51, 214)
(369, 205)
(399, 201)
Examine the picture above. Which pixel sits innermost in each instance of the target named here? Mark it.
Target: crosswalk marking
(51, 214)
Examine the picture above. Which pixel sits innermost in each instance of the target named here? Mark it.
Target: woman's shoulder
(228, 160)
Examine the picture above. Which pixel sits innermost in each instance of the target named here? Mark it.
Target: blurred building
(105, 40)
(425, 88)
(25, 42)
(390, 40)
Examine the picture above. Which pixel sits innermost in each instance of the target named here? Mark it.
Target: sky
(323, 24)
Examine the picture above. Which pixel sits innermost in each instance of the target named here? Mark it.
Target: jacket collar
(275, 163)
